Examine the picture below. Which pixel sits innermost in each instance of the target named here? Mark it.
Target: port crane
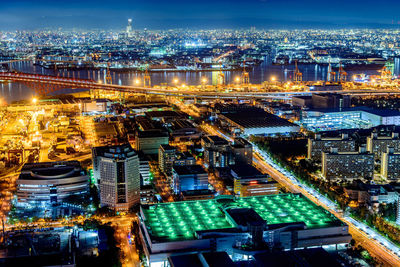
(221, 76)
(245, 75)
(342, 73)
(331, 73)
(298, 76)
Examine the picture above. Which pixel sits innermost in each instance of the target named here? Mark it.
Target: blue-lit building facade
(189, 177)
(350, 118)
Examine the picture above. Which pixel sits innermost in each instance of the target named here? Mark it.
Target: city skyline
(155, 14)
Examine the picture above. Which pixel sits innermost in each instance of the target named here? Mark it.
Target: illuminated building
(390, 165)
(257, 124)
(227, 223)
(51, 182)
(348, 118)
(216, 151)
(129, 28)
(117, 169)
(242, 151)
(189, 177)
(379, 144)
(248, 181)
(149, 141)
(166, 158)
(347, 165)
(320, 144)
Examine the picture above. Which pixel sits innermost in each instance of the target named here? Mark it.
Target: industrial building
(347, 165)
(183, 130)
(117, 170)
(379, 144)
(348, 118)
(320, 144)
(326, 100)
(51, 182)
(238, 226)
(257, 124)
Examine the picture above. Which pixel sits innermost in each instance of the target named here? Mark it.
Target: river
(312, 72)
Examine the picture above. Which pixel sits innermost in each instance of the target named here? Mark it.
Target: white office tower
(129, 28)
(117, 168)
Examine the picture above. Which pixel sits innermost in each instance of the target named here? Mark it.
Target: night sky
(206, 14)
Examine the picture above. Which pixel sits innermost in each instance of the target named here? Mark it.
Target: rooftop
(379, 112)
(180, 220)
(189, 169)
(51, 170)
(257, 120)
(118, 151)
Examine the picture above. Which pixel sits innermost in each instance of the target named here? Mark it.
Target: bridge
(45, 84)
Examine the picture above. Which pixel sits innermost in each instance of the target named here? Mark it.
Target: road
(374, 247)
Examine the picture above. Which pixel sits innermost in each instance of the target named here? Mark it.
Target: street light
(137, 81)
(34, 100)
(204, 80)
(273, 79)
(237, 79)
(175, 80)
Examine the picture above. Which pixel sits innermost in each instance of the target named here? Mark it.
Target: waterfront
(311, 72)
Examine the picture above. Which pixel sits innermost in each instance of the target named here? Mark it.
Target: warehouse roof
(181, 220)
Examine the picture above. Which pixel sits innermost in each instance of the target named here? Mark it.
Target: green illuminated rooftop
(180, 220)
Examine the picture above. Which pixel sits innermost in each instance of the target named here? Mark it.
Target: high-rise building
(117, 169)
(320, 144)
(129, 28)
(379, 144)
(390, 165)
(166, 158)
(347, 165)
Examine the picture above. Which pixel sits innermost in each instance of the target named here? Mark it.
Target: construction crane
(342, 73)
(245, 75)
(298, 76)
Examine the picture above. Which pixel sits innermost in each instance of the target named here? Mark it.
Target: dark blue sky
(164, 14)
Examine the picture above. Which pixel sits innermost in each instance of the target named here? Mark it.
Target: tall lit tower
(129, 28)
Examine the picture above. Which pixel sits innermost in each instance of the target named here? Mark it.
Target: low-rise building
(242, 151)
(248, 181)
(189, 177)
(149, 141)
(216, 151)
(48, 183)
(238, 226)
